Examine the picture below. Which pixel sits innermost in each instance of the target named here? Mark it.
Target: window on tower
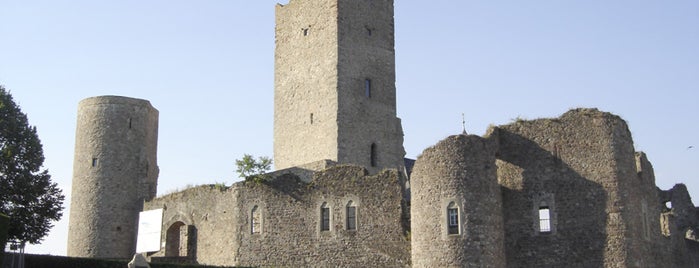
(367, 88)
(372, 156)
(452, 219)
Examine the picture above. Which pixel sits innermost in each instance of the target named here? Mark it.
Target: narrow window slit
(372, 156)
(367, 88)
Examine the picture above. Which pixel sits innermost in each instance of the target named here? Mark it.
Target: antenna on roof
(463, 123)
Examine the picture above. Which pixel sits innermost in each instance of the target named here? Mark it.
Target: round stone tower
(114, 171)
(456, 211)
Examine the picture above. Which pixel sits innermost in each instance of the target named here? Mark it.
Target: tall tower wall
(335, 95)
(114, 171)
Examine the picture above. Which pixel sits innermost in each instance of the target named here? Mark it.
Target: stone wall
(114, 171)
(289, 229)
(601, 194)
(305, 83)
(367, 59)
(458, 173)
(327, 54)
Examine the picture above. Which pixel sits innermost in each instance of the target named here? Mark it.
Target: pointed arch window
(452, 219)
(351, 216)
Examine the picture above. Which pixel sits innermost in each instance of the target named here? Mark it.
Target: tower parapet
(114, 171)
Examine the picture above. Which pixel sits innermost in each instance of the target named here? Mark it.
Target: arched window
(255, 221)
(452, 218)
(325, 217)
(373, 155)
(351, 216)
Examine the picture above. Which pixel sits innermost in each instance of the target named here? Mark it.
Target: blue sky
(207, 66)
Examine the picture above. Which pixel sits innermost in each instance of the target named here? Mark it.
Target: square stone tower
(335, 94)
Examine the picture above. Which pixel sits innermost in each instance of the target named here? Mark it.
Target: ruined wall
(197, 225)
(679, 225)
(582, 166)
(114, 171)
(289, 232)
(458, 173)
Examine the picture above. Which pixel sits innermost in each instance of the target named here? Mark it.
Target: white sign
(150, 225)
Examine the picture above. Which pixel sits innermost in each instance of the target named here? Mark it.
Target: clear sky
(207, 66)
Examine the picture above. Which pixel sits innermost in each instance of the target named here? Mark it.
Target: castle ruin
(562, 192)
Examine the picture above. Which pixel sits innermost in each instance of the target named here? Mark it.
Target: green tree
(252, 169)
(27, 194)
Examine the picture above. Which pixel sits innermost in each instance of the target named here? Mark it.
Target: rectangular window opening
(544, 220)
(453, 214)
(94, 162)
(351, 218)
(325, 219)
(367, 88)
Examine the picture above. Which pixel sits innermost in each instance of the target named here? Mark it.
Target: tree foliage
(27, 194)
(252, 169)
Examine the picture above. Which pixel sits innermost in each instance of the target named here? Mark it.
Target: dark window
(544, 219)
(94, 162)
(367, 88)
(255, 227)
(129, 123)
(351, 216)
(311, 118)
(373, 155)
(305, 32)
(453, 218)
(324, 217)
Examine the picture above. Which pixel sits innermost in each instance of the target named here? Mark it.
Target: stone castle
(564, 192)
